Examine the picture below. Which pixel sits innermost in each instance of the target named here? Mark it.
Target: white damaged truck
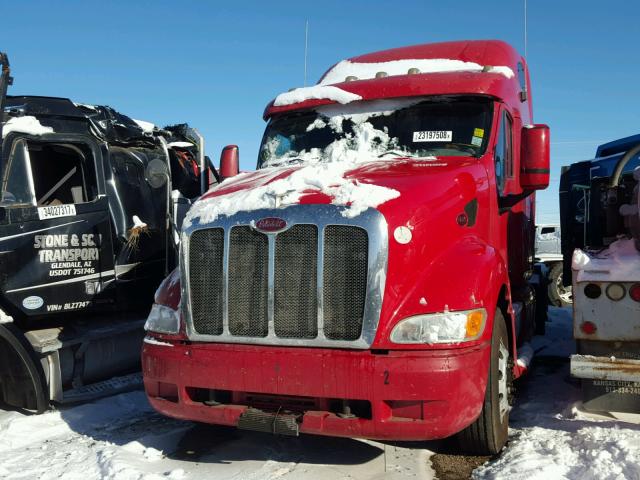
(600, 207)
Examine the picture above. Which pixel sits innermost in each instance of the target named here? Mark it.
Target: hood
(400, 189)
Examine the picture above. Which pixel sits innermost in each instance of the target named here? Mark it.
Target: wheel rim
(564, 293)
(503, 375)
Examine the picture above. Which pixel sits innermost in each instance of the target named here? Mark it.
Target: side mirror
(535, 157)
(229, 162)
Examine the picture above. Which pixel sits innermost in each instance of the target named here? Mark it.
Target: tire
(559, 295)
(24, 385)
(488, 434)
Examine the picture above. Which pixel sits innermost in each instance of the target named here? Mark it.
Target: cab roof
(483, 81)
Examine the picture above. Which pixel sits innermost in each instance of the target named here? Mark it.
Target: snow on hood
(327, 178)
(619, 262)
(27, 124)
(300, 95)
(364, 71)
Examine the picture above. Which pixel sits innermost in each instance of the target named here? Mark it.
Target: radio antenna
(525, 28)
(306, 46)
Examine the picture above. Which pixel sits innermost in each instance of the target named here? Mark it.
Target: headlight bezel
(438, 328)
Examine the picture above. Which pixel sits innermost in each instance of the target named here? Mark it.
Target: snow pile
(300, 95)
(363, 71)
(27, 124)
(322, 170)
(619, 262)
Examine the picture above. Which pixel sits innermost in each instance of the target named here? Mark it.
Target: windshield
(414, 127)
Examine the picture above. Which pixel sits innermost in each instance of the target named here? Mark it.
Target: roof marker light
(351, 78)
(381, 74)
(413, 71)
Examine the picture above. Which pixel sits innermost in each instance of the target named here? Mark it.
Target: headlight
(163, 319)
(446, 327)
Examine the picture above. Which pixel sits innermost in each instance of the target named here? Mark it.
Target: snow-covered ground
(550, 438)
(123, 438)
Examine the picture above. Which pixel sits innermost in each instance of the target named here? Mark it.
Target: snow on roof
(363, 71)
(180, 144)
(147, 127)
(620, 262)
(27, 124)
(85, 105)
(299, 95)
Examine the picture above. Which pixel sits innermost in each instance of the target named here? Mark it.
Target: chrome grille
(345, 281)
(295, 283)
(248, 281)
(205, 280)
(317, 282)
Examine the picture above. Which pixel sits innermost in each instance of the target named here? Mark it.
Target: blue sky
(216, 65)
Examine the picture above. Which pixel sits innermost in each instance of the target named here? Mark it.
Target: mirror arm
(505, 204)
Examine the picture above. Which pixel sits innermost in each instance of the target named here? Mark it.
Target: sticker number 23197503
(432, 136)
(54, 211)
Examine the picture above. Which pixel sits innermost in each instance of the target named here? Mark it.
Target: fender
(469, 274)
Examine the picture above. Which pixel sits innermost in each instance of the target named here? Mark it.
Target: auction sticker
(432, 136)
(55, 211)
(32, 303)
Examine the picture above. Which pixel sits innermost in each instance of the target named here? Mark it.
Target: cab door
(56, 251)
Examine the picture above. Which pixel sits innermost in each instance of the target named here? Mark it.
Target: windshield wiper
(397, 154)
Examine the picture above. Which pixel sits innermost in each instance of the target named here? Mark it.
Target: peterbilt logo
(270, 224)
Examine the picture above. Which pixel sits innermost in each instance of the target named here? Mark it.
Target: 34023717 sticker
(55, 211)
(433, 136)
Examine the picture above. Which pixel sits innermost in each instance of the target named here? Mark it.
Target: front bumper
(413, 395)
(605, 368)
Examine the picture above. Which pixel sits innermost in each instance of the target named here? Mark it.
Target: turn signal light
(475, 322)
(588, 327)
(634, 292)
(592, 290)
(615, 291)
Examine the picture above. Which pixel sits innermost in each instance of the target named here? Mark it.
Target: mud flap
(269, 422)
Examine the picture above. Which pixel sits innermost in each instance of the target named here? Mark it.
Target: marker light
(588, 327)
(445, 327)
(163, 319)
(615, 291)
(634, 292)
(592, 290)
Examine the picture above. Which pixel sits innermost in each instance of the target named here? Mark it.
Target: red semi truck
(372, 278)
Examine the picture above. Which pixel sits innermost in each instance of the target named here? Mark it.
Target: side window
(62, 173)
(508, 127)
(17, 181)
(503, 155)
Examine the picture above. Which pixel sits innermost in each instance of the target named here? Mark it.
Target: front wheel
(488, 434)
